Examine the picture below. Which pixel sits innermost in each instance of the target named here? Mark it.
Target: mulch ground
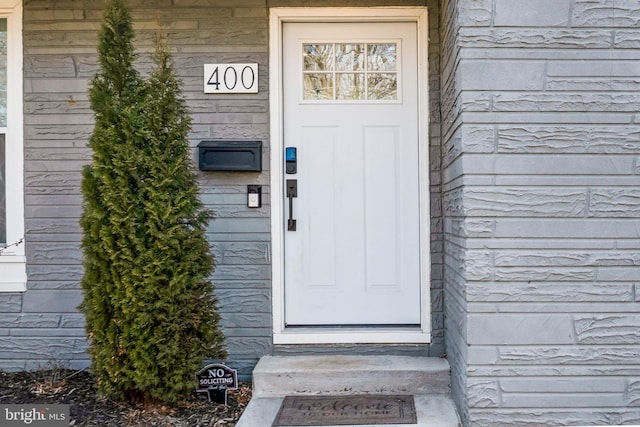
(77, 389)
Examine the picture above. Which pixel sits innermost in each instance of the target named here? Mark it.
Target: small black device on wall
(254, 196)
(225, 155)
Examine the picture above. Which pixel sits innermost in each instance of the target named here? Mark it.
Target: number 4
(214, 80)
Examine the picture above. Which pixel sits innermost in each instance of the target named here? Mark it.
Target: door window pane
(383, 86)
(318, 57)
(382, 57)
(318, 86)
(350, 71)
(350, 86)
(350, 57)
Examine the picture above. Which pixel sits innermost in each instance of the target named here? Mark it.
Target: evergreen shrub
(150, 311)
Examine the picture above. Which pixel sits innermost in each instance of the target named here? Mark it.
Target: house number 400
(231, 78)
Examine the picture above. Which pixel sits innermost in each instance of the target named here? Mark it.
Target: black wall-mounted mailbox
(240, 156)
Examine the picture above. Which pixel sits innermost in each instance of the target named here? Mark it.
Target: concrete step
(432, 410)
(277, 376)
(427, 379)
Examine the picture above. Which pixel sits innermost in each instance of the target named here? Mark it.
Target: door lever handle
(292, 191)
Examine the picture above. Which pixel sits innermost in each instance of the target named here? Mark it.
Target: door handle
(292, 191)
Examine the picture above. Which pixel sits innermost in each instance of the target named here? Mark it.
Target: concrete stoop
(426, 378)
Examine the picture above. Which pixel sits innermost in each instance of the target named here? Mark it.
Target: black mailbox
(240, 156)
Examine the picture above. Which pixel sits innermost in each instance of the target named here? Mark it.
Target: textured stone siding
(455, 228)
(540, 173)
(60, 39)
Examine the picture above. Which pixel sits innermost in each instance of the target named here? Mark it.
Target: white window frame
(365, 73)
(13, 275)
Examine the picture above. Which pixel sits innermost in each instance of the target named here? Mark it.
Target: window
(3, 195)
(12, 259)
(350, 71)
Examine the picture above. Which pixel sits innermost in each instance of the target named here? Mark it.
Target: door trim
(281, 334)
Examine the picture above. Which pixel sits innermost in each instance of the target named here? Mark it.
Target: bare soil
(77, 389)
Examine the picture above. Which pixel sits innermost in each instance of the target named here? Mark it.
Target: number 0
(249, 76)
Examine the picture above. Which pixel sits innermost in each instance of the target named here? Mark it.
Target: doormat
(361, 409)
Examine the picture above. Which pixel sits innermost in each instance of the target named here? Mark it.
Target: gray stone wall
(60, 39)
(541, 207)
(43, 325)
(456, 228)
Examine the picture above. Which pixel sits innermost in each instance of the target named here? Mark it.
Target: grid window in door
(350, 71)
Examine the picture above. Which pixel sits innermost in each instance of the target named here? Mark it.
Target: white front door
(350, 110)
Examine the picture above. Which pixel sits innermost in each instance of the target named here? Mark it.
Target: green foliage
(149, 305)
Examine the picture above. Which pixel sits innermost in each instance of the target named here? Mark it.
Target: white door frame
(281, 334)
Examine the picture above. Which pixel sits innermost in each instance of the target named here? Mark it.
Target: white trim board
(281, 334)
(13, 275)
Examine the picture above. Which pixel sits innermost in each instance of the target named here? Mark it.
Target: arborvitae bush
(150, 311)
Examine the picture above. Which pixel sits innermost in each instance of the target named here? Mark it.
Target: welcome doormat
(361, 409)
